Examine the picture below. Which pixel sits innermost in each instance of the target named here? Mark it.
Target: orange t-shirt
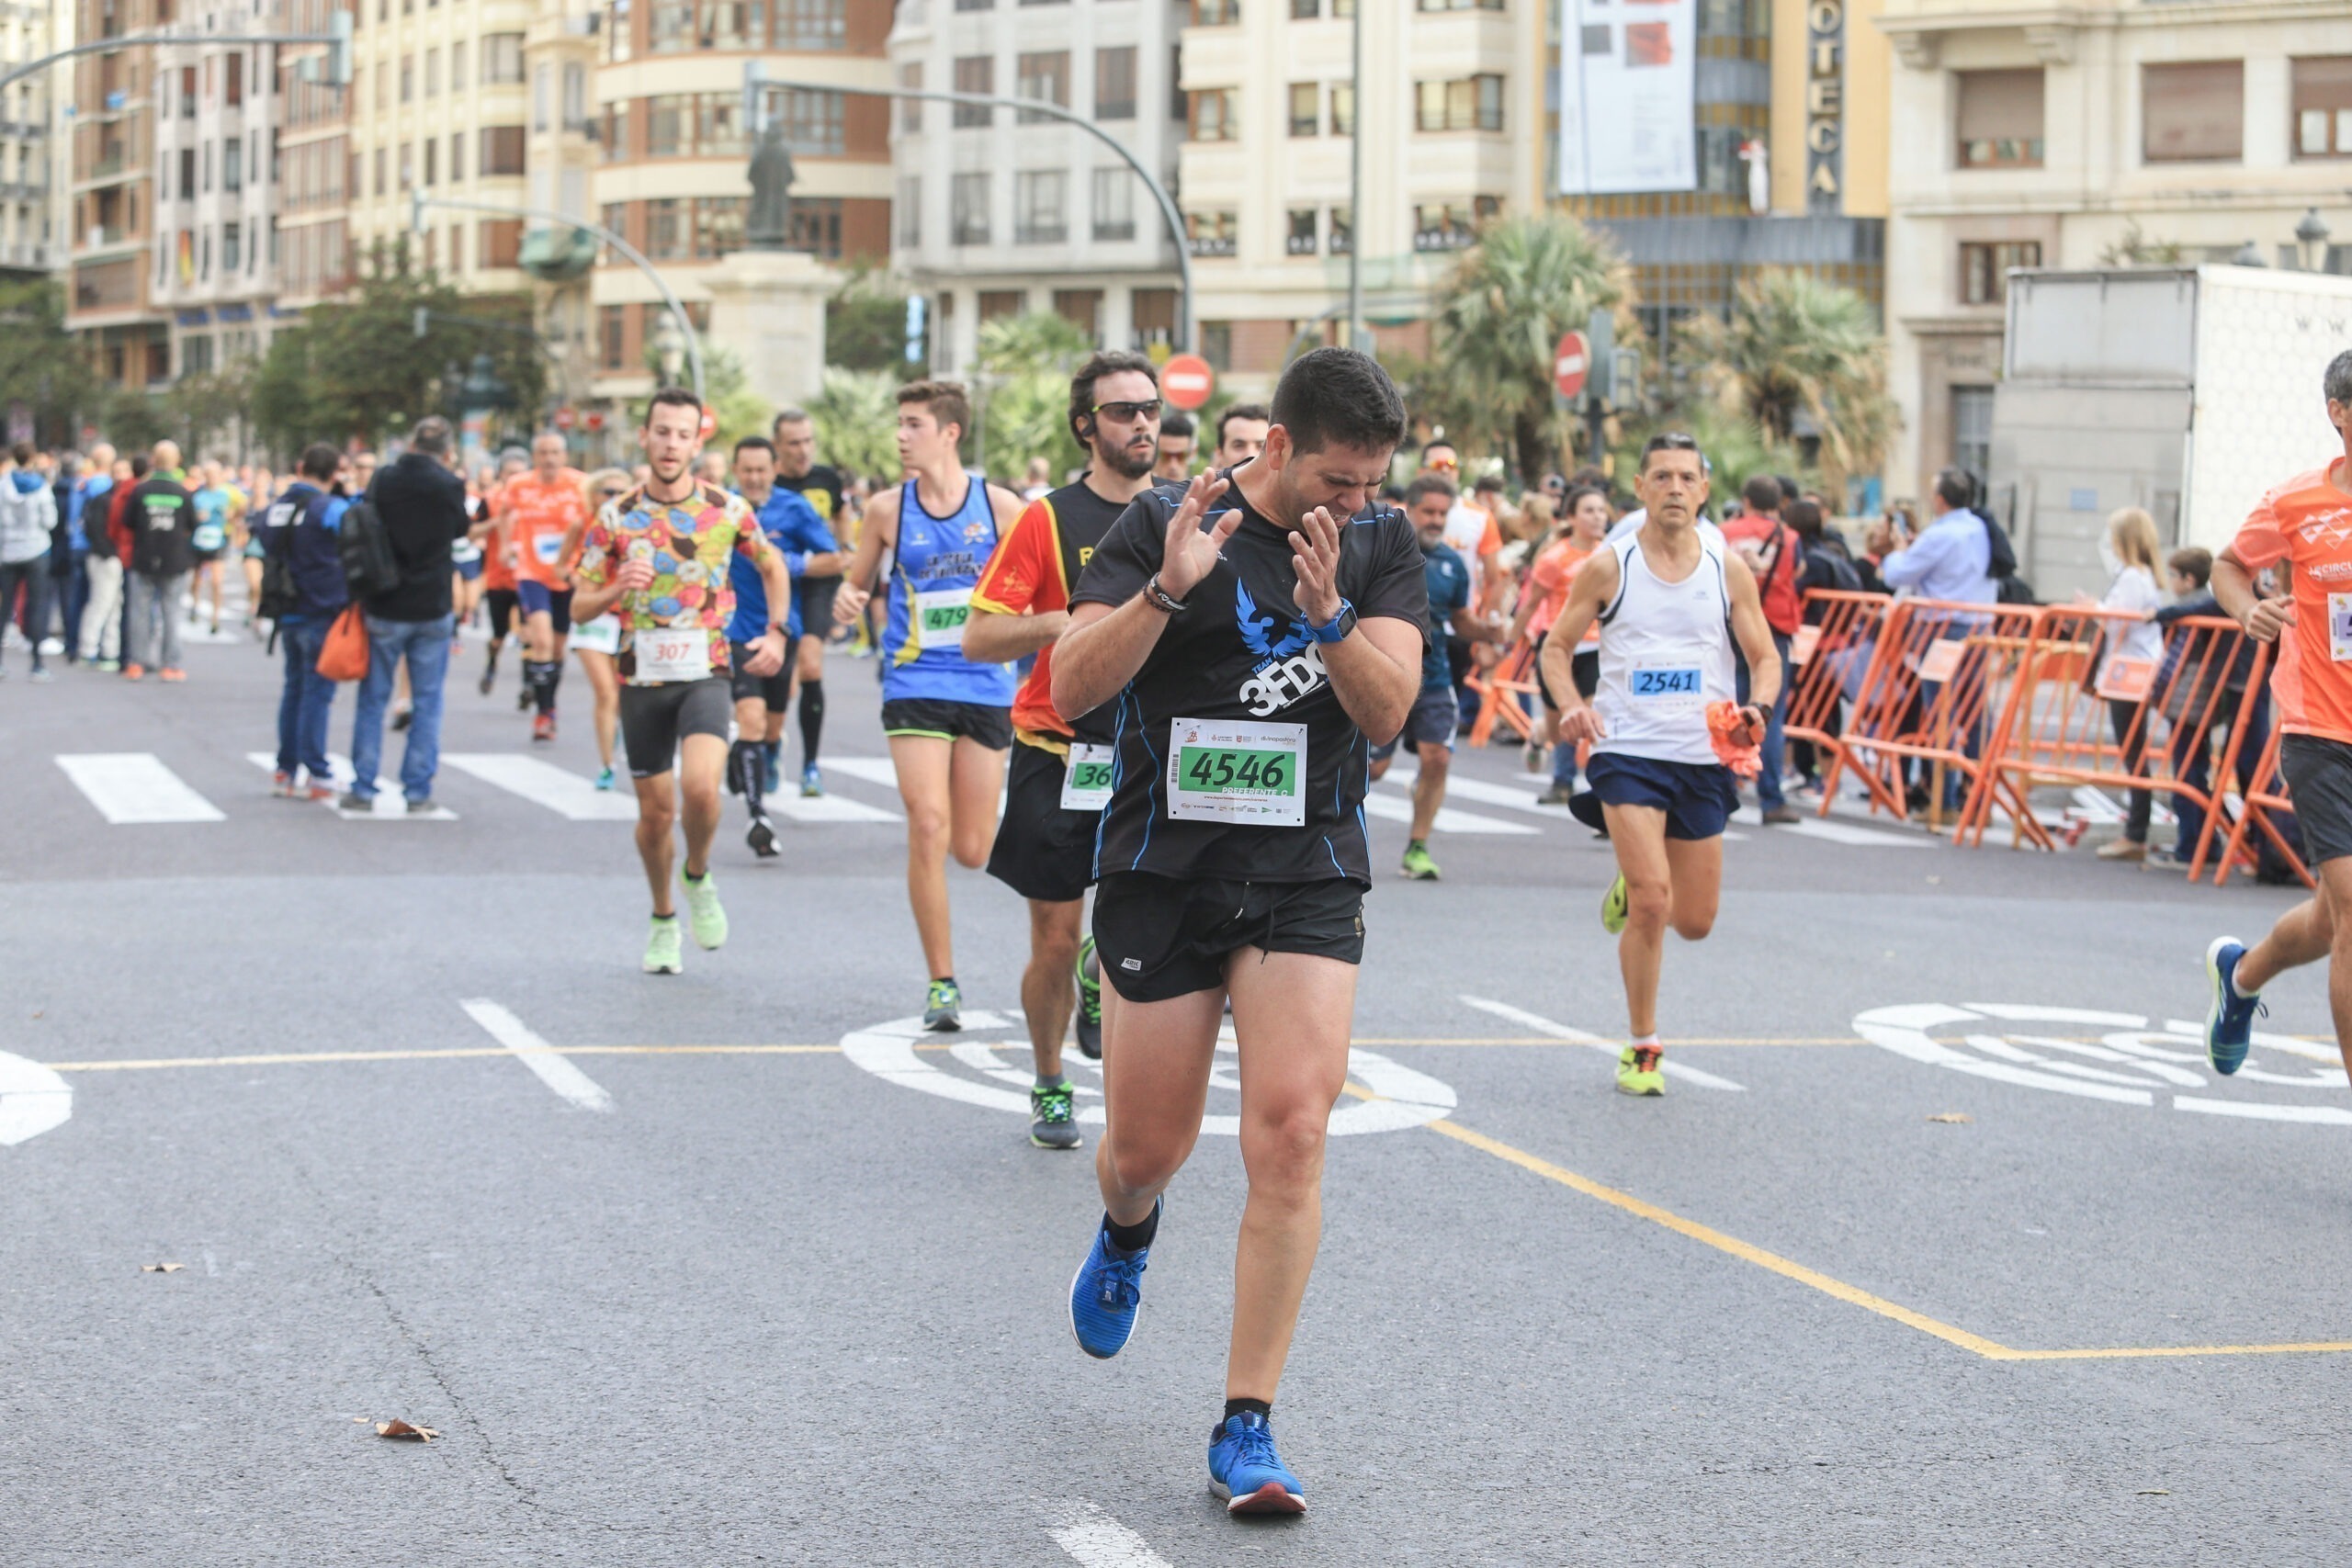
(1550, 580)
(2307, 522)
(537, 515)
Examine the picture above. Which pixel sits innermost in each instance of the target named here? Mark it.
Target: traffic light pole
(338, 65)
(419, 201)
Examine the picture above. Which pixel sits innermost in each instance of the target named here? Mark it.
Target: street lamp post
(2311, 239)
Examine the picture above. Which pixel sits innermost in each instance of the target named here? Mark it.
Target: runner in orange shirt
(2305, 523)
(1540, 604)
(536, 510)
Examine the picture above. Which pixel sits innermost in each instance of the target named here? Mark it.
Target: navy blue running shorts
(1697, 797)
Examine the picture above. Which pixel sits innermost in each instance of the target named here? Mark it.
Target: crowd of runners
(1168, 683)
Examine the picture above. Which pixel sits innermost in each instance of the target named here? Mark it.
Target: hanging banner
(1628, 77)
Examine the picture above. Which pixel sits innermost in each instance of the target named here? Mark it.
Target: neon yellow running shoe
(662, 948)
(1638, 1071)
(1613, 913)
(707, 920)
(1417, 863)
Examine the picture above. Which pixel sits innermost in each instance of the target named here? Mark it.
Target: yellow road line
(1992, 1351)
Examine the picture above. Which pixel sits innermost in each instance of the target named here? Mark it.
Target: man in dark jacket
(423, 504)
(299, 531)
(161, 522)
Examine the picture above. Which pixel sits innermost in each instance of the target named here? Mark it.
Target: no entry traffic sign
(1571, 362)
(1187, 380)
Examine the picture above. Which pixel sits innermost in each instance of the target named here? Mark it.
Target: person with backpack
(160, 517)
(1775, 554)
(395, 549)
(303, 591)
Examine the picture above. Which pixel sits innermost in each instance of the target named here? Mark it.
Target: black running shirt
(1241, 652)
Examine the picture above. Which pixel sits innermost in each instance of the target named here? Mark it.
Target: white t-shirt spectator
(2134, 589)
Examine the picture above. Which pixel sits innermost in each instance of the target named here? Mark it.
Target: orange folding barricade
(2267, 796)
(1500, 687)
(1839, 634)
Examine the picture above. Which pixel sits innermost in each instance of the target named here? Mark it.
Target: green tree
(856, 418)
(199, 407)
(1022, 404)
(1499, 315)
(1802, 358)
(866, 325)
(43, 366)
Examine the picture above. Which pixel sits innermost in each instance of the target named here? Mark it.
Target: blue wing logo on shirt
(1255, 628)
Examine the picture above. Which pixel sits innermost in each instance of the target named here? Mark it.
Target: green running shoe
(1613, 913)
(1638, 1071)
(1053, 1113)
(1417, 864)
(1089, 1003)
(663, 950)
(943, 1007)
(703, 913)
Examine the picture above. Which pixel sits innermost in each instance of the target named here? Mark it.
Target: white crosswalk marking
(1519, 798)
(873, 770)
(543, 784)
(1390, 809)
(389, 805)
(824, 808)
(1830, 830)
(1095, 1540)
(1538, 1024)
(136, 787)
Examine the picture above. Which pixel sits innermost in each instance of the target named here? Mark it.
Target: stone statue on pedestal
(768, 226)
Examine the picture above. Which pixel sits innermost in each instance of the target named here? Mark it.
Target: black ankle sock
(812, 718)
(543, 675)
(1127, 1238)
(1237, 1407)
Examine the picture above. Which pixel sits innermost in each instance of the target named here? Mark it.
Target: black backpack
(368, 568)
(2002, 563)
(1834, 570)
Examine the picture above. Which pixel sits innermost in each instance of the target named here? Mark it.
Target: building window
(975, 73)
(408, 77)
(1212, 117)
(457, 57)
(811, 23)
(719, 226)
(612, 336)
(1984, 270)
(909, 211)
(614, 219)
(456, 156)
(616, 146)
(665, 235)
(732, 25)
(2323, 93)
(672, 27)
(816, 226)
(1114, 83)
(1473, 103)
(432, 158)
(1211, 233)
(976, 4)
(1444, 226)
(575, 97)
(2193, 113)
(196, 355)
(1306, 10)
(408, 166)
(1039, 211)
(666, 126)
(1999, 119)
(1343, 230)
(499, 242)
(501, 151)
(1152, 315)
(1972, 431)
(1300, 241)
(1216, 345)
(432, 73)
(911, 109)
(812, 121)
(996, 304)
(542, 96)
(232, 83)
(502, 58)
(1458, 5)
(233, 163)
(187, 174)
(1216, 13)
(1305, 115)
(231, 238)
(719, 126)
(1081, 308)
(1043, 77)
(1114, 204)
(968, 216)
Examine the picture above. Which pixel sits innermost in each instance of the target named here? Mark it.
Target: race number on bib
(671, 653)
(1665, 686)
(1226, 770)
(1086, 781)
(546, 546)
(939, 617)
(2339, 628)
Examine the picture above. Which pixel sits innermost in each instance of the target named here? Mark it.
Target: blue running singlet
(938, 562)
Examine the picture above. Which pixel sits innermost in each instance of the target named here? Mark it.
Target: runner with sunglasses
(1060, 777)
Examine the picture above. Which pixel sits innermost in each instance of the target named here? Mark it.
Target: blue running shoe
(1106, 1292)
(2228, 1024)
(1245, 1470)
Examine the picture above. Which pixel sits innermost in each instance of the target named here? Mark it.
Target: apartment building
(211, 275)
(559, 54)
(112, 211)
(1000, 213)
(1454, 90)
(674, 144)
(2098, 135)
(32, 187)
(309, 246)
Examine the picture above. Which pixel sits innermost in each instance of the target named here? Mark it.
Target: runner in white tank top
(1670, 600)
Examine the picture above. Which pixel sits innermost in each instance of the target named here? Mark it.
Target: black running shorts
(501, 604)
(940, 719)
(537, 598)
(774, 690)
(655, 719)
(1042, 850)
(1159, 938)
(2319, 779)
(814, 595)
(1583, 668)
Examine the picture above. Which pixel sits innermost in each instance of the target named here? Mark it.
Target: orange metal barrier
(1839, 634)
(1499, 686)
(2268, 795)
(2063, 715)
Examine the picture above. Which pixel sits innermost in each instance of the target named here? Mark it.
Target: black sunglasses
(1128, 414)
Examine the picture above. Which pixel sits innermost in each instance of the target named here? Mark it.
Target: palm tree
(1801, 356)
(1502, 312)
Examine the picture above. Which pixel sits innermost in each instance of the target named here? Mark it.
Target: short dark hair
(789, 416)
(1176, 422)
(762, 442)
(1955, 487)
(674, 397)
(1241, 411)
(319, 461)
(1670, 441)
(431, 436)
(946, 400)
(1339, 397)
(1110, 362)
(1428, 485)
(2195, 563)
(1575, 499)
(2338, 382)
(21, 452)
(1430, 446)
(139, 465)
(1489, 481)
(1762, 493)
(1805, 517)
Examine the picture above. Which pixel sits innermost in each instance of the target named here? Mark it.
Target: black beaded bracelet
(1159, 599)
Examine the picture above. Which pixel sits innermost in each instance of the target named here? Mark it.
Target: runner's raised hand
(1189, 555)
(1316, 547)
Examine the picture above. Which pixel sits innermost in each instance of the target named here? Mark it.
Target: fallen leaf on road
(161, 1268)
(2155, 1492)
(397, 1428)
(1952, 1116)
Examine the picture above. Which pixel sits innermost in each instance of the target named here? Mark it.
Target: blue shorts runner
(537, 598)
(1432, 721)
(1697, 797)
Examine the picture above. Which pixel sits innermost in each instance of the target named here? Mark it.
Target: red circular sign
(1571, 362)
(596, 419)
(1187, 380)
(710, 424)
(564, 419)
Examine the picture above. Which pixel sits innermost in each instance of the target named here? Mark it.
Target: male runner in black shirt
(814, 579)
(1249, 664)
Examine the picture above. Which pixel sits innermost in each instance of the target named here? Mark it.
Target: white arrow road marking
(555, 1071)
(135, 787)
(1543, 1025)
(1095, 1540)
(32, 1099)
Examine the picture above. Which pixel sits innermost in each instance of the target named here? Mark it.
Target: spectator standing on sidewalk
(422, 502)
(2129, 551)
(299, 531)
(27, 513)
(161, 518)
(1775, 555)
(98, 626)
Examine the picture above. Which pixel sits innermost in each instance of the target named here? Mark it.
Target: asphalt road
(767, 1304)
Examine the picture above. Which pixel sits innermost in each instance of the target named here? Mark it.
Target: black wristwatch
(1159, 599)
